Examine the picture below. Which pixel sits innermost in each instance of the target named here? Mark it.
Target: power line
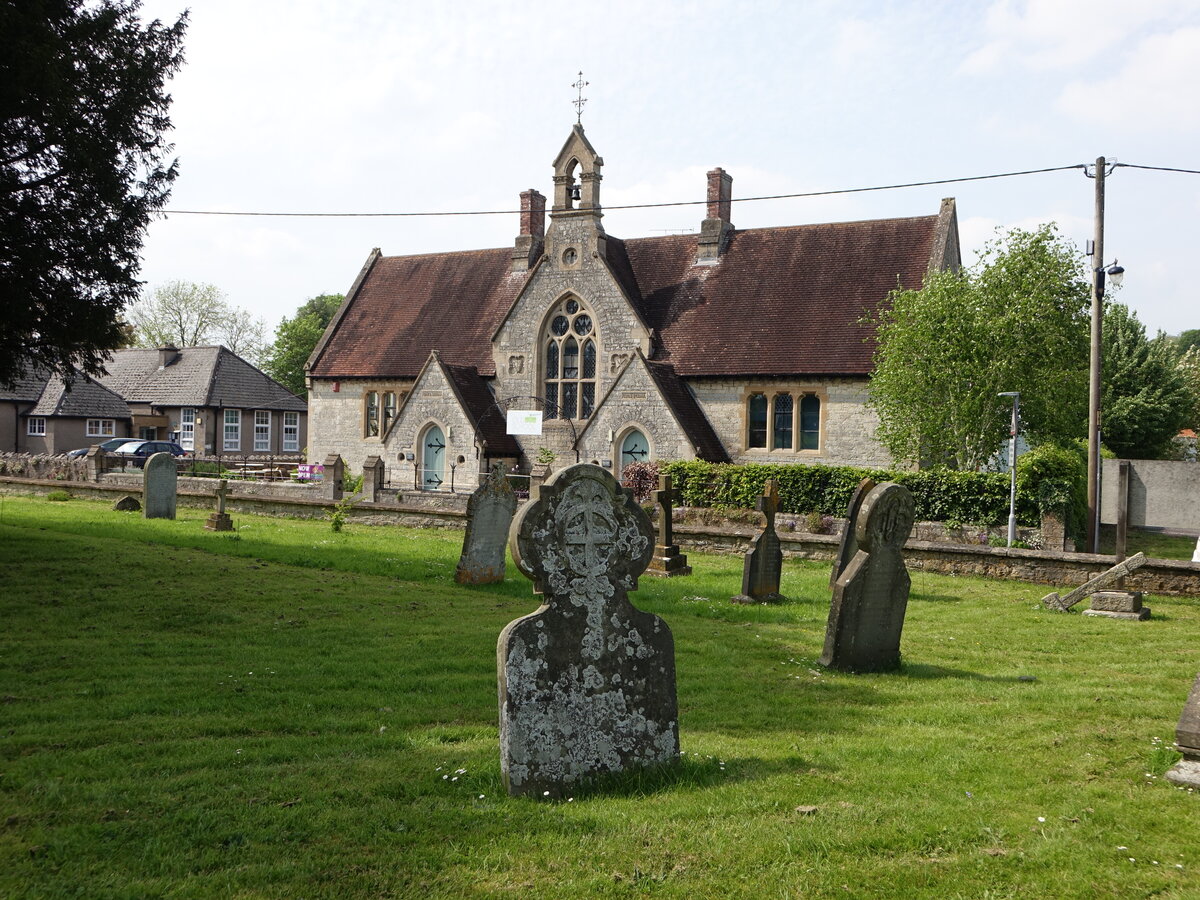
(512, 212)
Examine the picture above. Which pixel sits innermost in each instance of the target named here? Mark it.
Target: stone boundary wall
(432, 510)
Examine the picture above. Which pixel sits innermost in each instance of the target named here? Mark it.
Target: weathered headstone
(1125, 608)
(587, 682)
(1186, 772)
(158, 487)
(870, 597)
(128, 504)
(489, 515)
(763, 563)
(848, 546)
(1196, 552)
(374, 473)
(219, 520)
(667, 561)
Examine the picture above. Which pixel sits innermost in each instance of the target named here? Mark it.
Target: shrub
(58, 496)
(642, 479)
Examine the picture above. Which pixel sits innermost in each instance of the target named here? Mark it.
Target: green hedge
(1046, 477)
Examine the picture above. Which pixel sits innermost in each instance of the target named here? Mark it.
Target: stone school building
(729, 345)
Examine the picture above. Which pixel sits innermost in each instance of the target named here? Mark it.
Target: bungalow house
(40, 415)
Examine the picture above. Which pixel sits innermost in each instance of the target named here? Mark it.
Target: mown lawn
(290, 712)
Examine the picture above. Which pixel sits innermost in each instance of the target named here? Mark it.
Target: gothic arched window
(569, 349)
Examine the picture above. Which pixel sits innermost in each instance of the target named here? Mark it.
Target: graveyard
(288, 710)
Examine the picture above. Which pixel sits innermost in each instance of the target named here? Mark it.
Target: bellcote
(577, 179)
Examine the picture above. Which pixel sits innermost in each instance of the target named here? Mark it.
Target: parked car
(137, 452)
(107, 446)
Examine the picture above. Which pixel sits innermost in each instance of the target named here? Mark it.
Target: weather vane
(580, 100)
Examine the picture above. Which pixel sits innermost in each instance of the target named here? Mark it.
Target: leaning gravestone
(489, 515)
(158, 487)
(1186, 772)
(587, 682)
(763, 563)
(219, 520)
(128, 504)
(848, 546)
(871, 595)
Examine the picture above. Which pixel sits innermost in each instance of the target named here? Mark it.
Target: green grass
(1153, 543)
(284, 711)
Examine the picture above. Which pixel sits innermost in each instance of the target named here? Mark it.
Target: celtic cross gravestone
(587, 682)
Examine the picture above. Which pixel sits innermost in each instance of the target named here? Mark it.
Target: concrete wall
(1162, 494)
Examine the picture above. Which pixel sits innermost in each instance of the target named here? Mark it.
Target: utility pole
(1094, 367)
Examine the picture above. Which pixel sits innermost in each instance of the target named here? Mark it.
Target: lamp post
(1012, 465)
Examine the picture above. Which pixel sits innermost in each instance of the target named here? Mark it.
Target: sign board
(310, 472)
(524, 421)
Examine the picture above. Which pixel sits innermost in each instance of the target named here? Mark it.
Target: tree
(187, 314)
(1189, 367)
(1146, 397)
(295, 340)
(1015, 322)
(1187, 340)
(83, 169)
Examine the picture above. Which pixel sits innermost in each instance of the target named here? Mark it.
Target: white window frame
(231, 430)
(36, 426)
(101, 428)
(291, 432)
(262, 430)
(187, 428)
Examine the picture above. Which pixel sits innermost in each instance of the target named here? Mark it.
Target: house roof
(198, 376)
(84, 399)
(688, 412)
(781, 301)
(480, 406)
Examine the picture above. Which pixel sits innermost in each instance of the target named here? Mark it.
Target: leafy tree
(83, 169)
(1017, 321)
(295, 340)
(187, 314)
(1189, 367)
(1187, 340)
(1146, 398)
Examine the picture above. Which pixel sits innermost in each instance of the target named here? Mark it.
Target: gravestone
(870, 597)
(128, 504)
(1186, 772)
(489, 515)
(1196, 552)
(667, 561)
(158, 487)
(763, 562)
(1113, 604)
(849, 543)
(219, 520)
(373, 478)
(587, 682)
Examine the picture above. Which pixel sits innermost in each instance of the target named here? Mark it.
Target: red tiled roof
(409, 305)
(782, 301)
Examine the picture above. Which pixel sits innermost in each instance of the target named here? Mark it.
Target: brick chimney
(167, 354)
(715, 229)
(528, 246)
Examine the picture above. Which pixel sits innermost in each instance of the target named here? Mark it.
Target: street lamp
(1012, 465)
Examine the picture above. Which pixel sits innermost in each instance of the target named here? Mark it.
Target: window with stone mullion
(570, 362)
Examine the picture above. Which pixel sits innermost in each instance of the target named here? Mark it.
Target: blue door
(634, 448)
(434, 459)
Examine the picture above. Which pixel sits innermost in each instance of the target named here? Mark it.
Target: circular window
(560, 325)
(569, 256)
(572, 306)
(583, 324)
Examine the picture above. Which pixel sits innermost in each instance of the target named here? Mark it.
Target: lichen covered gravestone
(219, 520)
(158, 487)
(1186, 772)
(848, 546)
(762, 567)
(489, 515)
(870, 596)
(587, 682)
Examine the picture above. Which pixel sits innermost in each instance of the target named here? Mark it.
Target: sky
(306, 106)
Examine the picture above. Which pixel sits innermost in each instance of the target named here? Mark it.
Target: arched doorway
(433, 459)
(634, 448)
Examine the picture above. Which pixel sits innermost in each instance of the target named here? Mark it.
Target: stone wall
(336, 419)
(1163, 493)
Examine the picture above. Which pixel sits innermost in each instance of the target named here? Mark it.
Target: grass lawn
(292, 712)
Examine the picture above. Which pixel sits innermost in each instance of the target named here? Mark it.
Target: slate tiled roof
(687, 410)
(85, 399)
(199, 376)
(782, 301)
(410, 305)
(27, 389)
(477, 401)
